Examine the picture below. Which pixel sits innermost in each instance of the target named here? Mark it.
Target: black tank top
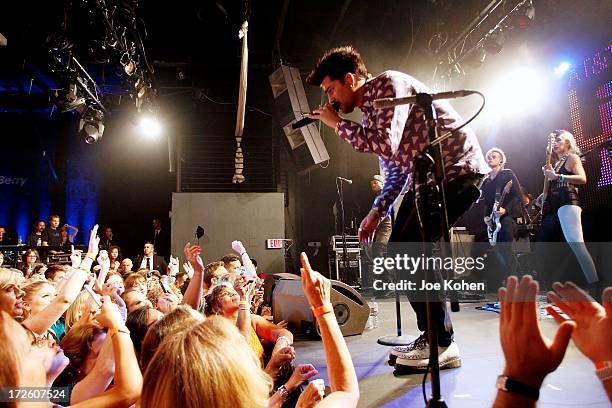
(561, 193)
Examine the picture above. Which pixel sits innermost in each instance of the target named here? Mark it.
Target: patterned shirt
(397, 134)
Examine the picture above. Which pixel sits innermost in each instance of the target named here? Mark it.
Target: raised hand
(173, 266)
(301, 373)
(109, 315)
(278, 359)
(238, 247)
(317, 288)
(593, 332)
(94, 241)
(167, 303)
(75, 257)
(103, 260)
(530, 356)
(192, 254)
(188, 269)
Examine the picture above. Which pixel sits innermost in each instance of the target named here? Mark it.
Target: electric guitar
(494, 224)
(549, 151)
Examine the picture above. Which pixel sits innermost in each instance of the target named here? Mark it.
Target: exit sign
(274, 243)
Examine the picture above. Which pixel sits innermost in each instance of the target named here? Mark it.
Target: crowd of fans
(118, 333)
(115, 334)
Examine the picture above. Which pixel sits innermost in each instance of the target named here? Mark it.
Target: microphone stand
(434, 203)
(344, 249)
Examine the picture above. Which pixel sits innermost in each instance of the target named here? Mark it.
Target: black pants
(503, 252)
(460, 193)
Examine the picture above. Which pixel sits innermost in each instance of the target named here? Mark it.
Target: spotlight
(494, 42)
(524, 16)
(519, 90)
(70, 100)
(562, 69)
(91, 125)
(150, 126)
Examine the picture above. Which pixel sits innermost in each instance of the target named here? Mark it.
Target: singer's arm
(395, 179)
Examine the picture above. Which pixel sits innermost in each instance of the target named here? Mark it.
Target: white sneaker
(401, 350)
(418, 358)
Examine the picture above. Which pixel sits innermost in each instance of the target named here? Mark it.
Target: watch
(506, 383)
(283, 392)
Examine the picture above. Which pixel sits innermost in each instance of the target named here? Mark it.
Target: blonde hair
(8, 278)
(31, 289)
(210, 365)
(180, 318)
(76, 345)
(498, 151)
(76, 310)
(569, 138)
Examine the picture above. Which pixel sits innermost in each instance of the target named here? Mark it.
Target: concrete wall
(249, 217)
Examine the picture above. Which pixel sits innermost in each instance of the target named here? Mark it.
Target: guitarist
(510, 209)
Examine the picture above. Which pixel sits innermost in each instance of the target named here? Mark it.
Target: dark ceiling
(200, 37)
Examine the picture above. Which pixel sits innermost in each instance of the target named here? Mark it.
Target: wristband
(284, 338)
(283, 392)
(323, 309)
(603, 369)
(243, 303)
(507, 384)
(115, 330)
(90, 256)
(83, 269)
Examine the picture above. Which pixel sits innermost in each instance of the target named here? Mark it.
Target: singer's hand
(327, 115)
(368, 227)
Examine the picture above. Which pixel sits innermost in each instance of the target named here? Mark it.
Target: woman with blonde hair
(207, 365)
(11, 297)
(561, 210)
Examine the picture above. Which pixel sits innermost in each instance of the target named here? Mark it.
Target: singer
(396, 135)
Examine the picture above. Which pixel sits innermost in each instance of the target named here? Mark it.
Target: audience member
(34, 239)
(530, 356)
(114, 256)
(149, 261)
(51, 236)
(160, 238)
(31, 260)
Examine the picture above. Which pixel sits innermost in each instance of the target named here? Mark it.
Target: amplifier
(336, 243)
(350, 275)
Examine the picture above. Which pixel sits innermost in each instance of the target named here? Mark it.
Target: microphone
(348, 181)
(391, 102)
(307, 121)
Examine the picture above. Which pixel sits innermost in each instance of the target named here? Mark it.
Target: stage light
(517, 91)
(562, 69)
(70, 100)
(150, 126)
(524, 16)
(129, 67)
(91, 125)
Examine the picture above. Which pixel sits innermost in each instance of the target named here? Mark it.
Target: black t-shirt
(53, 237)
(512, 201)
(32, 239)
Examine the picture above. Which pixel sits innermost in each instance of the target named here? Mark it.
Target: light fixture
(91, 125)
(70, 100)
(494, 42)
(150, 126)
(475, 58)
(524, 16)
(562, 69)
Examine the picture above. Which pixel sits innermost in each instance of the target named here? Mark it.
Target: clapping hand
(530, 356)
(593, 332)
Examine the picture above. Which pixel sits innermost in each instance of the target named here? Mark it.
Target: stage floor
(573, 384)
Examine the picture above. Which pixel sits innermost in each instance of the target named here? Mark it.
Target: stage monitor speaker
(291, 105)
(289, 303)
